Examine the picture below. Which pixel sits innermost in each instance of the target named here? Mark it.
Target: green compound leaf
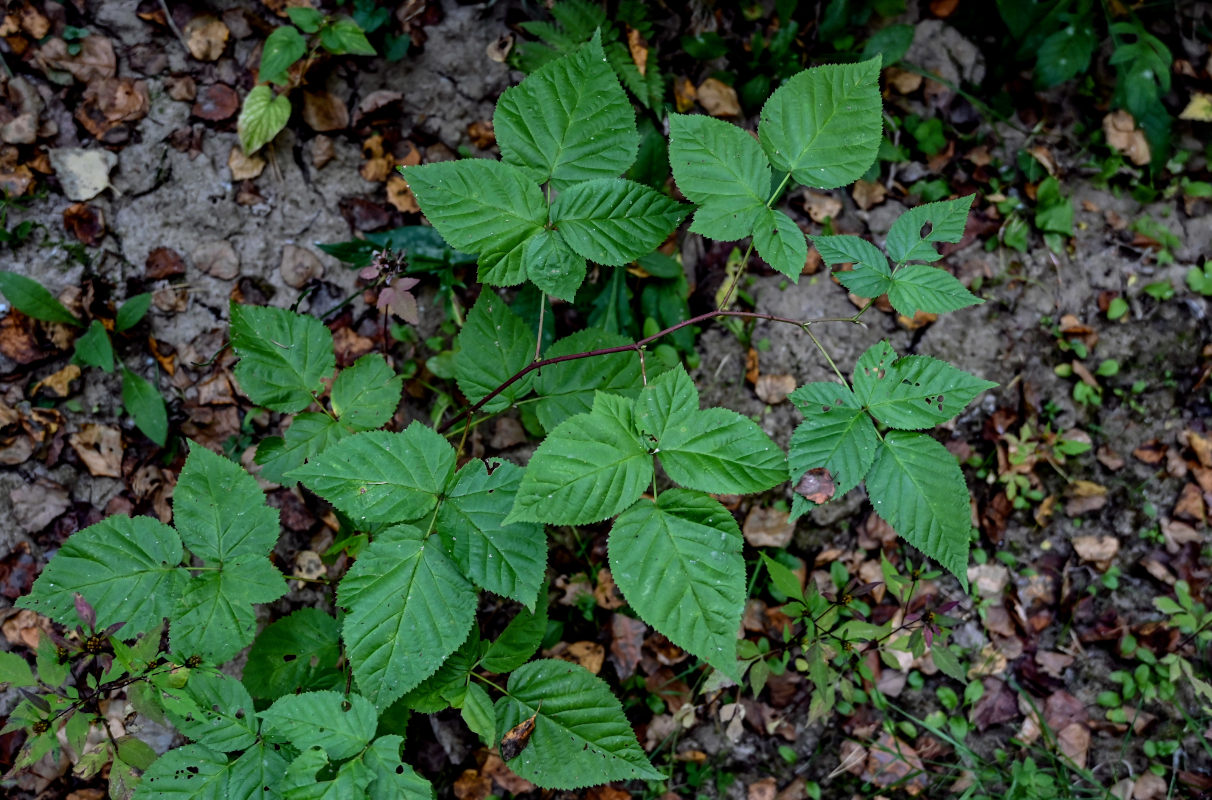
(917, 487)
(409, 608)
(127, 568)
(836, 434)
(870, 277)
(196, 772)
(220, 510)
(509, 560)
(591, 467)
(494, 345)
(284, 357)
(262, 118)
(520, 639)
(946, 221)
(930, 289)
(298, 652)
(215, 618)
(780, 243)
(824, 125)
(448, 685)
(614, 221)
(715, 450)
(93, 349)
(678, 562)
(568, 388)
(366, 395)
(482, 206)
(913, 392)
(302, 781)
(33, 300)
(212, 709)
(309, 433)
(146, 406)
(721, 168)
(569, 121)
(340, 724)
(282, 48)
(379, 476)
(393, 779)
(581, 736)
(553, 266)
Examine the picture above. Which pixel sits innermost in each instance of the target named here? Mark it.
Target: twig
(168, 18)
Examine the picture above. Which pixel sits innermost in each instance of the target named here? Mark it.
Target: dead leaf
(482, 134)
(891, 762)
(36, 505)
(503, 776)
(83, 174)
(85, 223)
(324, 111)
(988, 580)
(471, 785)
(1109, 458)
(821, 207)
(852, 758)
(516, 738)
(638, 49)
(626, 640)
(58, 384)
(400, 195)
(182, 88)
(216, 103)
(718, 98)
(768, 527)
(108, 102)
(816, 486)
(95, 58)
(943, 8)
(1084, 497)
(1199, 108)
(903, 81)
(216, 258)
(1149, 787)
(244, 167)
(764, 789)
(206, 37)
(100, 448)
(868, 194)
(163, 263)
(299, 266)
(773, 389)
(322, 151)
(733, 717)
(25, 628)
(684, 94)
(308, 565)
(1125, 137)
(1190, 505)
(1152, 452)
(997, 705)
(1097, 549)
(1074, 741)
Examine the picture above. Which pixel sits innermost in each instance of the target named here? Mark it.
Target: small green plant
(1199, 280)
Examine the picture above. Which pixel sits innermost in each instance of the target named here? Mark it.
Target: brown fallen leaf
(36, 505)
(821, 207)
(108, 102)
(773, 389)
(498, 49)
(308, 565)
(95, 59)
(891, 762)
(163, 263)
(100, 448)
(903, 81)
(471, 785)
(216, 258)
(768, 527)
(516, 738)
(763, 789)
(1190, 505)
(684, 94)
(1201, 446)
(626, 640)
(1074, 741)
(868, 194)
(400, 195)
(1152, 452)
(503, 776)
(206, 37)
(1097, 549)
(244, 167)
(58, 384)
(324, 112)
(482, 134)
(85, 223)
(816, 486)
(638, 49)
(26, 628)
(216, 103)
(322, 150)
(718, 98)
(299, 266)
(1125, 137)
(1084, 497)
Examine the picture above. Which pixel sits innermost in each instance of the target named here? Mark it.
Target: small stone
(299, 266)
(217, 259)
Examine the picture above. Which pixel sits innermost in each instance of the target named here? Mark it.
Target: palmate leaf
(219, 509)
(215, 618)
(309, 433)
(824, 125)
(678, 562)
(581, 736)
(553, 266)
(780, 243)
(836, 434)
(283, 356)
(494, 345)
(917, 487)
(569, 121)
(379, 476)
(870, 276)
(913, 392)
(721, 168)
(300, 651)
(506, 559)
(409, 608)
(614, 221)
(482, 206)
(930, 289)
(366, 395)
(213, 709)
(945, 221)
(127, 568)
(196, 772)
(568, 388)
(341, 724)
(591, 467)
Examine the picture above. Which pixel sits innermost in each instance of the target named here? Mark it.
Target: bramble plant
(429, 536)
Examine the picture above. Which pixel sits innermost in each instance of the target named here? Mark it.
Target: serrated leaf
(930, 289)
(581, 736)
(449, 683)
(300, 651)
(780, 243)
(553, 266)
(15, 672)
(870, 276)
(721, 168)
(338, 723)
(614, 221)
(283, 47)
(284, 356)
(478, 713)
(509, 560)
(409, 608)
(825, 124)
(678, 562)
(33, 300)
(219, 510)
(783, 578)
(484, 207)
(215, 617)
(946, 221)
(913, 392)
(568, 388)
(262, 117)
(365, 395)
(196, 772)
(520, 640)
(127, 568)
(916, 486)
(302, 779)
(393, 779)
(93, 349)
(213, 709)
(947, 663)
(379, 476)
(145, 405)
(494, 345)
(836, 434)
(591, 467)
(309, 433)
(569, 121)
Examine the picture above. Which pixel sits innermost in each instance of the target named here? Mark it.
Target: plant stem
(736, 279)
(828, 357)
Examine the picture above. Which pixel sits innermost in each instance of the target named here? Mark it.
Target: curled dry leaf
(85, 223)
(59, 383)
(83, 174)
(324, 112)
(684, 94)
(773, 389)
(400, 195)
(95, 58)
(516, 738)
(1125, 137)
(718, 98)
(206, 37)
(299, 266)
(244, 167)
(768, 527)
(821, 207)
(100, 448)
(868, 194)
(638, 49)
(1097, 549)
(816, 486)
(216, 103)
(627, 639)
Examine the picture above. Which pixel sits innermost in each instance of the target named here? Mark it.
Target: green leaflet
(591, 467)
(33, 300)
(127, 568)
(196, 772)
(494, 344)
(836, 434)
(393, 779)
(309, 433)
(614, 221)
(93, 349)
(479, 715)
(341, 724)
(506, 559)
(553, 266)
(132, 311)
(930, 289)
(780, 242)
(379, 476)
(918, 488)
(300, 651)
(16, 673)
(581, 737)
(946, 219)
(262, 117)
(283, 47)
(569, 121)
(520, 639)
(283, 356)
(913, 392)
(721, 168)
(365, 395)
(824, 125)
(678, 562)
(145, 405)
(484, 207)
(568, 388)
(219, 509)
(214, 709)
(870, 277)
(409, 608)
(215, 617)
(301, 782)
(448, 685)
